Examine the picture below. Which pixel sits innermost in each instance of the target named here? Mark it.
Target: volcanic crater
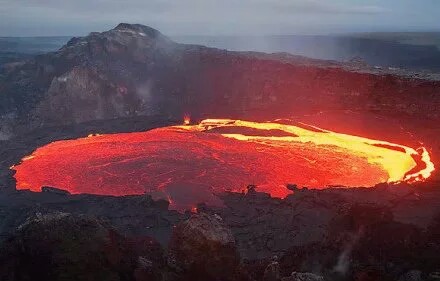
(334, 125)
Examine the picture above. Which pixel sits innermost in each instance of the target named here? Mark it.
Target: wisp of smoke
(343, 264)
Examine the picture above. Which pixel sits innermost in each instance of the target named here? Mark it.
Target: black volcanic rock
(134, 70)
(365, 242)
(140, 29)
(61, 246)
(203, 248)
(54, 190)
(300, 276)
(106, 74)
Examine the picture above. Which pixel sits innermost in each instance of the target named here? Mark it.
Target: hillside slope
(134, 70)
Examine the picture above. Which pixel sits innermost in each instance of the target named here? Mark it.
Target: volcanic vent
(190, 164)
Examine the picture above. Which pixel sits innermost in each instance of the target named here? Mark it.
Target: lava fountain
(190, 164)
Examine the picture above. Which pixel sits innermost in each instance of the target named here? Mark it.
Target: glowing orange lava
(190, 164)
(186, 119)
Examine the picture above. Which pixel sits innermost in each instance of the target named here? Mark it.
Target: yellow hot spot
(397, 163)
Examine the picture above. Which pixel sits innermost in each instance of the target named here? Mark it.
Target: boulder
(62, 246)
(54, 190)
(203, 248)
(303, 276)
(434, 276)
(413, 275)
(272, 271)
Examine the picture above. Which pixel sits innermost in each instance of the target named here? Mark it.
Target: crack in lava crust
(190, 164)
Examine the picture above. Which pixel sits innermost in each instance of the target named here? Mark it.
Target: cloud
(184, 8)
(324, 7)
(189, 16)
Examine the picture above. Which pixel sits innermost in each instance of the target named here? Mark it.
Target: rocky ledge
(337, 234)
(134, 70)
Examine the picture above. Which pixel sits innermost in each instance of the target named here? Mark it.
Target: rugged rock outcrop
(203, 248)
(60, 246)
(352, 247)
(412, 275)
(356, 234)
(303, 276)
(134, 70)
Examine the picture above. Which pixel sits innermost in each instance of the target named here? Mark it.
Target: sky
(218, 17)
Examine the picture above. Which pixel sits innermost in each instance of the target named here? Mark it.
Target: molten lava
(186, 119)
(190, 164)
